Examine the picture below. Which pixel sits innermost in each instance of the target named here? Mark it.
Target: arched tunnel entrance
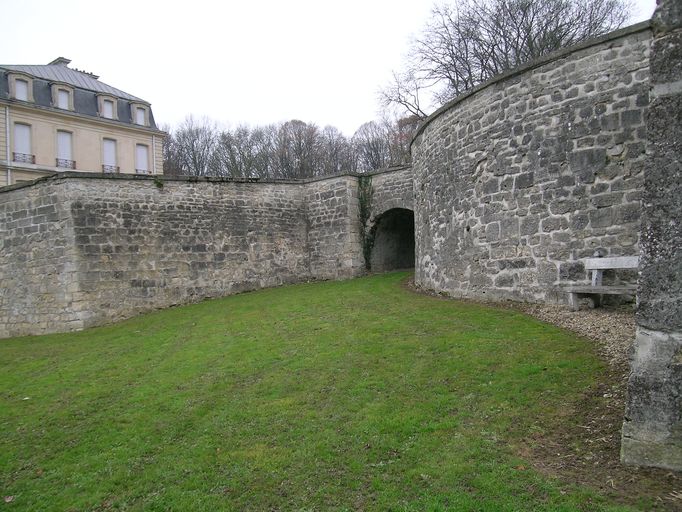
(393, 241)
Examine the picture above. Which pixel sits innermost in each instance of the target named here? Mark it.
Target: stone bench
(596, 289)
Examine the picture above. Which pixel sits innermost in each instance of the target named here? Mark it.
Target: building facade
(54, 118)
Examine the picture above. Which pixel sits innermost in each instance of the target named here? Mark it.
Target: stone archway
(393, 240)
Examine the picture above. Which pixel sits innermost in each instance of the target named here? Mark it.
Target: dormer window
(107, 108)
(62, 96)
(140, 114)
(21, 87)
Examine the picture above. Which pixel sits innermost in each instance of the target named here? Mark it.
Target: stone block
(651, 431)
(603, 200)
(579, 221)
(601, 218)
(547, 272)
(509, 228)
(626, 213)
(554, 224)
(492, 232)
(524, 180)
(504, 281)
(530, 225)
(562, 206)
(572, 271)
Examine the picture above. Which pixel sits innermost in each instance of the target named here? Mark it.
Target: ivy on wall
(365, 194)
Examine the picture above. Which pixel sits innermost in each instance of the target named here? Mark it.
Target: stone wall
(652, 430)
(141, 246)
(393, 188)
(82, 249)
(99, 250)
(334, 228)
(527, 173)
(38, 273)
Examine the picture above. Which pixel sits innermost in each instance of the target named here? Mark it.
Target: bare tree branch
(462, 46)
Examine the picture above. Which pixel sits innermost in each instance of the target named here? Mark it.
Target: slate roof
(86, 88)
(61, 73)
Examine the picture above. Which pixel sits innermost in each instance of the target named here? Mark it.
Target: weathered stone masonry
(80, 250)
(652, 430)
(511, 185)
(520, 178)
(527, 173)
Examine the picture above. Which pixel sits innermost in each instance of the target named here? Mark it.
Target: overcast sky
(254, 62)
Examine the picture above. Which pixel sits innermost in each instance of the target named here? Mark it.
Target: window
(141, 159)
(109, 156)
(62, 96)
(20, 87)
(63, 99)
(107, 107)
(22, 144)
(139, 114)
(64, 150)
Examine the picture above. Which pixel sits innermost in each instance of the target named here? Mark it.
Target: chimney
(60, 61)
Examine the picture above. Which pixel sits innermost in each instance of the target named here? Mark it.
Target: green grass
(355, 395)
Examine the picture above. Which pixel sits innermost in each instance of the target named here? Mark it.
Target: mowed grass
(355, 395)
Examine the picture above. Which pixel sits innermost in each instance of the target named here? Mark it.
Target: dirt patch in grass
(585, 449)
(583, 446)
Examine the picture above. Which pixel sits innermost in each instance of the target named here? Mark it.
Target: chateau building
(54, 118)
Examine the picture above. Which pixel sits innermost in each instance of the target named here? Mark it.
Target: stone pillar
(652, 430)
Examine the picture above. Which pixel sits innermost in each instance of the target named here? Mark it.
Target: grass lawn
(354, 395)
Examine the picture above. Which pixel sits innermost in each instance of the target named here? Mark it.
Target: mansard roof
(86, 88)
(58, 71)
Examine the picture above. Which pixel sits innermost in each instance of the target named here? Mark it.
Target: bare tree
(171, 156)
(464, 45)
(335, 152)
(193, 144)
(296, 150)
(371, 143)
(235, 154)
(289, 150)
(400, 132)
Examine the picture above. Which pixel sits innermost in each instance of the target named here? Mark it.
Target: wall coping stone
(159, 178)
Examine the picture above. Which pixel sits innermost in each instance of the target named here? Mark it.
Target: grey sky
(253, 62)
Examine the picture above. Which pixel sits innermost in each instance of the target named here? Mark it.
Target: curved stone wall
(529, 172)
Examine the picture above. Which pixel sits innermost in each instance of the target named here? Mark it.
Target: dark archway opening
(393, 241)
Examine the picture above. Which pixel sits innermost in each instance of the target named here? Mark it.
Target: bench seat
(596, 289)
(602, 290)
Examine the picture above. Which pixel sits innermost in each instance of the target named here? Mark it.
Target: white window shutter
(109, 152)
(139, 116)
(108, 109)
(22, 139)
(63, 99)
(21, 89)
(141, 158)
(64, 146)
